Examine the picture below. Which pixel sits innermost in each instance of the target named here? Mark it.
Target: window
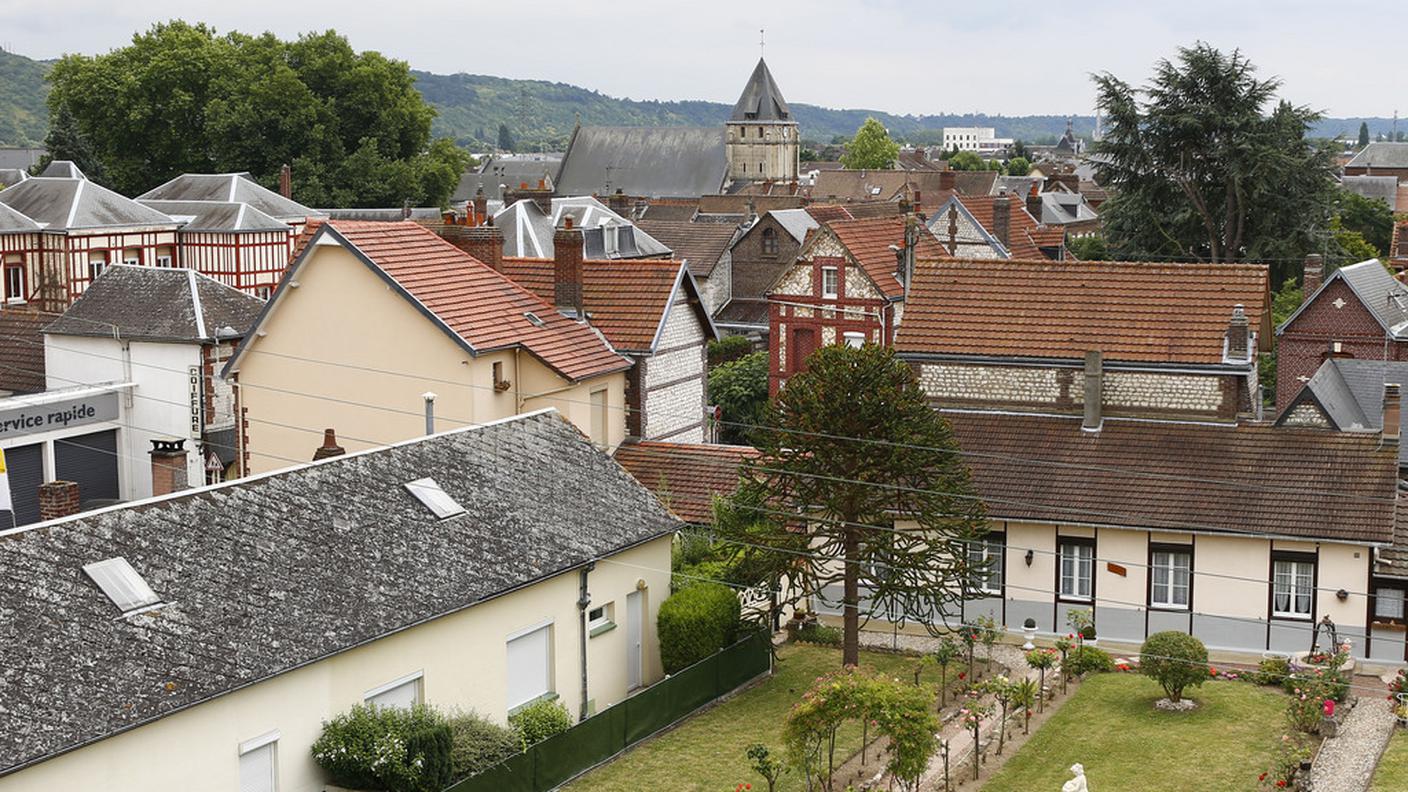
(853, 339)
(132, 256)
(828, 283)
(127, 589)
(529, 665)
(429, 493)
(1388, 603)
(500, 384)
(1292, 586)
(1076, 570)
(1170, 578)
(163, 257)
(769, 242)
(403, 693)
(259, 770)
(985, 559)
(601, 619)
(263, 292)
(14, 279)
(97, 262)
(599, 433)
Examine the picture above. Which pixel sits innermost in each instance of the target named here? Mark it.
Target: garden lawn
(1110, 726)
(706, 752)
(1392, 775)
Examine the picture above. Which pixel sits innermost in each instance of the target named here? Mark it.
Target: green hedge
(479, 744)
(695, 622)
(1088, 659)
(540, 720)
(387, 748)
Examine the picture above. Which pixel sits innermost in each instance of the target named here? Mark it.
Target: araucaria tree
(871, 148)
(1199, 168)
(856, 455)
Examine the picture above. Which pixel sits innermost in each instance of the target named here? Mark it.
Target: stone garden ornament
(1076, 784)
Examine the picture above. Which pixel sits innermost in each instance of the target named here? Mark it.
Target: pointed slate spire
(761, 99)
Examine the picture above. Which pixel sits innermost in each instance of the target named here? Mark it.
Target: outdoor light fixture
(1030, 555)
(1341, 595)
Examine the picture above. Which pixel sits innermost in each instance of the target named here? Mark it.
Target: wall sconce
(1029, 556)
(1341, 595)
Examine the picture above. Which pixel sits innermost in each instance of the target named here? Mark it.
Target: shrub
(1272, 671)
(400, 750)
(1175, 660)
(540, 720)
(695, 622)
(1088, 659)
(478, 743)
(820, 634)
(728, 349)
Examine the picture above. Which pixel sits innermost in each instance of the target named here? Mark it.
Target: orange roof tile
(1024, 230)
(1162, 313)
(825, 213)
(869, 243)
(685, 476)
(485, 308)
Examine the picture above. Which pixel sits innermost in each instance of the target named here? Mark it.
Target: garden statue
(1076, 784)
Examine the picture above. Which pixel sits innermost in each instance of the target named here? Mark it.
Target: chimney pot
(1094, 391)
(567, 269)
(168, 466)
(286, 181)
(57, 499)
(1393, 413)
(481, 208)
(1238, 335)
(329, 448)
(1002, 220)
(1312, 276)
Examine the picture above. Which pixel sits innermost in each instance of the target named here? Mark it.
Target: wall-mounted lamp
(1029, 556)
(1341, 595)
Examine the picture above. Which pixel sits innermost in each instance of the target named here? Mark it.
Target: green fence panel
(513, 775)
(564, 755)
(657, 707)
(743, 661)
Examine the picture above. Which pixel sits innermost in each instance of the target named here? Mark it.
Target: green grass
(1110, 726)
(1392, 775)
(706, 752)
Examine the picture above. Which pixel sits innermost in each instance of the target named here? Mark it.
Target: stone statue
(1076, 784)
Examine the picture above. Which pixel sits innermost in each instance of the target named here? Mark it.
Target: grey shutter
(91, 461)
(26, 473)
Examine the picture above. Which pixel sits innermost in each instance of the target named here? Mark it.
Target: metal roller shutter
(91, 461)
(26, 473)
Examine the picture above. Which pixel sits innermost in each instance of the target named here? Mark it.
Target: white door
(634, 619)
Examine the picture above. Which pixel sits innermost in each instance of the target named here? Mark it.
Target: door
(635, 617)
(802, 347)
(90, 460)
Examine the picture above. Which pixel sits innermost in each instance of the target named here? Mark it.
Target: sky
(900, 56)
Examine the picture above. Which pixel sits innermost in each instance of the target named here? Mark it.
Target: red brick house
(1398, 247)
(1360, 312)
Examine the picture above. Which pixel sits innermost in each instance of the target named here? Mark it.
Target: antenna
(761, 32)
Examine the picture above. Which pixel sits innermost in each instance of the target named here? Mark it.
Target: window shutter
(257, 769)
(528, 667)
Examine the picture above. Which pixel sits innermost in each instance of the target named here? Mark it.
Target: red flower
(1261, 777)
(1281, 783)
(962, 675)
(1212, 671)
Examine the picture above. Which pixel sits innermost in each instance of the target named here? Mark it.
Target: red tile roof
(625, 300)
(1024, 231)
(1163, 313)
(486, 309)
(1249, 478)
(869, 243)
(825, 213)
(684, 476)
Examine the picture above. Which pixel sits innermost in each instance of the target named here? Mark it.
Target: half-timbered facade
(233, 243)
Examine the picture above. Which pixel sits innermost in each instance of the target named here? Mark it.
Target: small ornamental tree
(1024, 695)
(1175, 660)
(972, 716)
(1041, 659)
(765, 765)
(1063, 645)
(944, 654)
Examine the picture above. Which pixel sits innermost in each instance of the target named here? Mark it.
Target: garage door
(26, 473)
(91, 461)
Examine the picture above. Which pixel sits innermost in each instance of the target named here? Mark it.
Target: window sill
(1154, 606)
(1291, 617)
(549, 696)
(601, 629)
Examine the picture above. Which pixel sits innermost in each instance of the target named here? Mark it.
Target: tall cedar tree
(1199, 169)
(906, 477)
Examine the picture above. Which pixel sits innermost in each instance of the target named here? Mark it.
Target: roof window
(428, 492)
(534, 318)
(127, 590)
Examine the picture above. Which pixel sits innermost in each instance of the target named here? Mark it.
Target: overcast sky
(903, 56)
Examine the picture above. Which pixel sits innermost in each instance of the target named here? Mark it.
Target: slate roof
(761, 99)
(22, 348)
(1247, 478)
(506, 170)
(12, 222)
(628, 301)
(1385, 298)
(1145, 312)
(290, 568)
(822, 213)
(1060, 208)
(20, 157)
(1381, 155)
(700, 245)
(1382, 188)
(62, 169)
(159, 304)
(644, 161)
(528, 231)
(879, 185)
(481, 309)
(229, 187)
(975, 182)
(216, 216)
(10, 176)
(1350, 394)
(63, 204)
(685, 476)
(743, 312)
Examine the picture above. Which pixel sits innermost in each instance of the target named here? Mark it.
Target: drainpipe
(584, 601)
(429, 397)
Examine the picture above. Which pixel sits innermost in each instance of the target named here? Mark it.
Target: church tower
(762, 138)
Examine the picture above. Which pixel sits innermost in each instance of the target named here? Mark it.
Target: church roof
(762, 99)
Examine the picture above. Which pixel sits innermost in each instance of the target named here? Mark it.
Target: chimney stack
(619, 202)
(919, 203)
(286, 182)
(1094, 391)
(1034, 202)
(1002, 220)
(483, 242)
(567, 270)
(953, 229)
(948, 180)
(1238, 336)
(168, 466)
(329, 448)
(1393, 413)
(481, 208)
(57, 499)
(1312, 276)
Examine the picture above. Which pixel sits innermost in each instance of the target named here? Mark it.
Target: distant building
(983, 140)
(1380, 159)
(505, 171)
(764, 141)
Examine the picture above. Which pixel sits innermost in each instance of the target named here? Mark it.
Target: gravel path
(1346, 761)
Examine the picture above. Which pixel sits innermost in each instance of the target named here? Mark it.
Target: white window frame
(1300, 583)
(1166, 561)
(835, 275)
(101, 264)
(416, 678)
(15, 292)
(136, 260)
(604, 621)
(268, 740)
(988, 548)
(551, 676)
(1084, 555)
(853, 339)
(1401, 599)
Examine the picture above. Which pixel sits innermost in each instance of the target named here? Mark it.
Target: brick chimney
(481, 209)
(482, 242)
(540, 195)
(1238, 335)
(57, 499)
(948, 180)
(329, 448)
(567, 269)
(1393, 415)
(1094, 391)
(1034, 202)
(1312, 275)
(286, 181)
(168, 466)
(1002, 220)
(619, 202)
(919, 202)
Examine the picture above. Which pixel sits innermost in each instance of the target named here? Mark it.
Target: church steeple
(762, 99)
(763, 139)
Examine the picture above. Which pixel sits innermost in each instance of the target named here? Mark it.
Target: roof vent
(534, 318)
(127, 590)
(428, 492)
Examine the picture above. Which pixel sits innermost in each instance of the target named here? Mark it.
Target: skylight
(428, 492)
(127, 590)
(534, 318)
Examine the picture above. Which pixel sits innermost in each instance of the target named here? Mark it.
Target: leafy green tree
(1175, 660)
(1369, 217)
(965, 161)
(806, 155)
(66, 141)
(1199, 168)
(871, 148)
(1088, 248)
(1018, 166)
(850, 492)
(182, 99)
(1363, 134)
(1019, 149)
(505, 138)
(740, 388)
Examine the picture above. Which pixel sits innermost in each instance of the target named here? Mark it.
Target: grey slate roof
(229, 187)
(762, 99)
(19, 157)
(10, 176)
(1060, 208)
(1383, 188)
(528, 232)
(62, 204)
(12, 222)
(1383, 296)
(651, 162)
(796, 222)
(215, 216)
(159, 304)
(1381, 155)
(508, 170)
(62, 169)
(1351, 394)
(264, 574)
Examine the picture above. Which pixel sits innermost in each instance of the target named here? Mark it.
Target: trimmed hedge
(1175, 660)
(1087, 659)
(695, 622)
(479, 744)
(387, 748)
(540, 720)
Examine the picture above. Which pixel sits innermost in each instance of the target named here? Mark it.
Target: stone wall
(673, 380)
(1306, 414)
